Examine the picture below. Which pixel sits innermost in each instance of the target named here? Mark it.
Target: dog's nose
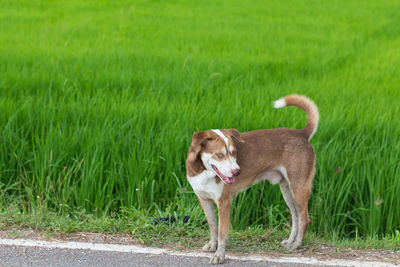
(236, 172)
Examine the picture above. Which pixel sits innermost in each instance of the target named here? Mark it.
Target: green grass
(99, 100)
(139, 228)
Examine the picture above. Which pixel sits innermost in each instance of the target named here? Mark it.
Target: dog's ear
(199, 140)
(236, 135)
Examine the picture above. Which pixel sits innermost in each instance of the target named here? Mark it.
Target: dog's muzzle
(226, 179)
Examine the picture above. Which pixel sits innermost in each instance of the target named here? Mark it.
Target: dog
(221, 163)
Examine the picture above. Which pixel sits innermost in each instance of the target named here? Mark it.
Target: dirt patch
(321, 253)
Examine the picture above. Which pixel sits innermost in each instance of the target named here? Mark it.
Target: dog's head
(216, 151)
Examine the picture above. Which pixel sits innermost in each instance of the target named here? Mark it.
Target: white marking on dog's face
(205, 186)
(222, 136)
(223, 151)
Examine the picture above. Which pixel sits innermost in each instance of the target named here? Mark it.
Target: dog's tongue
(231, 180)
(228, 180)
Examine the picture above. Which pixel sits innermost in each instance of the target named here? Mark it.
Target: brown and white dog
(221, 163)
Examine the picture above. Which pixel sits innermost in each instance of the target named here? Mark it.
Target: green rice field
(99, 100)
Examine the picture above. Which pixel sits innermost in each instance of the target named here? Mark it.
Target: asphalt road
(39, 256)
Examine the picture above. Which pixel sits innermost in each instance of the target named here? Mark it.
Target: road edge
(158, 251)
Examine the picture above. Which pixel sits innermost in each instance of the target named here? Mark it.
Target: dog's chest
(205, 185)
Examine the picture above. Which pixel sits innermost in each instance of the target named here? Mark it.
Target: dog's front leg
(224, 212)
(209, 211)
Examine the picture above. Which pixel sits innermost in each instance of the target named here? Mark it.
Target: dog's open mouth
(227, 180)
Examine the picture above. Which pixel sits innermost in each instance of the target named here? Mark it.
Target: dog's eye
(220, 155)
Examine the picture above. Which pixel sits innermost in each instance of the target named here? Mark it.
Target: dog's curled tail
(307, 105)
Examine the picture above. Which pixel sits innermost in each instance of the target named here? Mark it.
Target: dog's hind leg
(296, 192)
(299, 181)
(301, 194)
(301, 202)
(288, 197)
(209, 211)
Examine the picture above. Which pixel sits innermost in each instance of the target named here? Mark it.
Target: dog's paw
(294, 245)
(287, 243)
(290, 245)
(210, 247)
(217, 259)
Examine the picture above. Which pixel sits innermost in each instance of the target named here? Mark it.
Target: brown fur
(256, 153)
